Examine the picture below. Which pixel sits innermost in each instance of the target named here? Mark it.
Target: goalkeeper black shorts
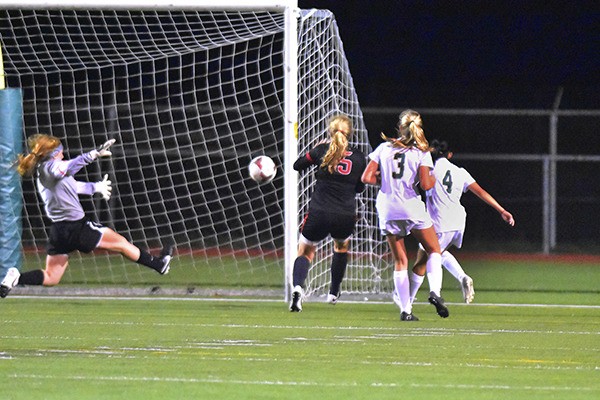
(68, 236)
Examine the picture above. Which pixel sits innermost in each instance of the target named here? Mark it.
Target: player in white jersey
(449, 216)
(399, 165)
(70, 229)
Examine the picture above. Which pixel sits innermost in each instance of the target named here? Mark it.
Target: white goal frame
(330, 89)
(290, 10)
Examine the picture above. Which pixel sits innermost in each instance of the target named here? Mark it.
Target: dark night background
(440, 53)
(489, 55)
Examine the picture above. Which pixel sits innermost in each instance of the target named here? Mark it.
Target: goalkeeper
(70, 229)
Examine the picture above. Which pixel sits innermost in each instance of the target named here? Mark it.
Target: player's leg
(339, 262)
(113, 241)
(466, 283)
(56, 265)
(428, 238)
(302, 263)
(401, 281)
(418, 273)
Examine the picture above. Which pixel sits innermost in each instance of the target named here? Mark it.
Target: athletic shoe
(166, 255)
(296, 304)
(408, 317)
(332, 299)
(438, 302)
(10, 281)
(467, 289)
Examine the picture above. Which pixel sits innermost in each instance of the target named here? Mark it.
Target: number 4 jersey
(443, 200)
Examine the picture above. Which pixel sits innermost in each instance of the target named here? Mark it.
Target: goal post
(192, 91)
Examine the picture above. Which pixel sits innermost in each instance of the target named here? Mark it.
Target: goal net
(191, 96)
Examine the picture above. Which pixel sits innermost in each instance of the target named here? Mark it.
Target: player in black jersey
(332, 207)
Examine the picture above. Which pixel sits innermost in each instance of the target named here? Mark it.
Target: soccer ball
(262, 169)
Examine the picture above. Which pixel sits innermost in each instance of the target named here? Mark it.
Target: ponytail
(41, 146)
(340, 129)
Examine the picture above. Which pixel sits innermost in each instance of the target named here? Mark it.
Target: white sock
(435, 273)
(453, 266)
(402, 285)
(415, 283)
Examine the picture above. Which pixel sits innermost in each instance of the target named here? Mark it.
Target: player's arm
(371, 174)
(426, 178)
(486, 197)
(312, 157)
(62, 168)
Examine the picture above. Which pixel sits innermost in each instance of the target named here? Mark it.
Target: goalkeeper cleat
(404, 316)
(166, 255)
(296, 303)
(467, 289)
(10, 281)
(438, 302)
(332, 299)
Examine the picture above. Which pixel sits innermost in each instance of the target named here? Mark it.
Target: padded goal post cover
(11, 204)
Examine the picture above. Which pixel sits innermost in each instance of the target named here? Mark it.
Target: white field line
(255, 300)
(304, 383)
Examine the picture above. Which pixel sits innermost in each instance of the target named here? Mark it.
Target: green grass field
(532, 333)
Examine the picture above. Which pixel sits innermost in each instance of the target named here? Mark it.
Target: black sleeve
(302, 163)
(313, 157)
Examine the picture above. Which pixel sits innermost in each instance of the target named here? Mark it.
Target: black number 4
(447, 181)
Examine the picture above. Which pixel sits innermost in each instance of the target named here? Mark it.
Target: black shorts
(68, 236)
(318, 225)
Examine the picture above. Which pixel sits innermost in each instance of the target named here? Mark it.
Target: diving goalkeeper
(70, 229)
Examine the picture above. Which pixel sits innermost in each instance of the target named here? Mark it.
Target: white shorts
(402, 227)
(447, 239)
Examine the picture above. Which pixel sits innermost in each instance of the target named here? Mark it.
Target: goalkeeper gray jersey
(60, 191)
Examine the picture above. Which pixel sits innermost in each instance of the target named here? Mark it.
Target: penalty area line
(303, 383)
(255, 300)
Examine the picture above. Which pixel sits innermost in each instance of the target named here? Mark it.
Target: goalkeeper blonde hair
(410, 132)
(41, 146)
(340, 130)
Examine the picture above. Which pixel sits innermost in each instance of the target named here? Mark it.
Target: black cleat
(166, 255)
(408, 317)
(438, 302)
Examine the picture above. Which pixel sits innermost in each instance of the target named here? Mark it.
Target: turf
(157, 348)
(533, 332)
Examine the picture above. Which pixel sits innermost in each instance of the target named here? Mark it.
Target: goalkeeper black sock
(301, 267)
(35, 277)
(338, 269)
(148, 260)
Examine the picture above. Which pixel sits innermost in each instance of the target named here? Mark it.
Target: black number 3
(399, 157)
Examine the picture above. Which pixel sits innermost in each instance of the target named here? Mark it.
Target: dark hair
(440, 149)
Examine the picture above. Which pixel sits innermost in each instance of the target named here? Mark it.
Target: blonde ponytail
(410, 132)
(41, 146)
(340, 129)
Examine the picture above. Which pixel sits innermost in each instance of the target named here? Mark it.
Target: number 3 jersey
(335, 192)
(443, 200)
(398, 197)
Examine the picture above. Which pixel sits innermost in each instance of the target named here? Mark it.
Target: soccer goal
(192, 92)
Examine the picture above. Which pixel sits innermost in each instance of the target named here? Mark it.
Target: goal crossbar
(184, 5)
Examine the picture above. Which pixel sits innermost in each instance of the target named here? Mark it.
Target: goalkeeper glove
(102, 151)
(104, 187)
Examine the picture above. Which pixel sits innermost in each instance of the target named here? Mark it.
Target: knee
(51, 279)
